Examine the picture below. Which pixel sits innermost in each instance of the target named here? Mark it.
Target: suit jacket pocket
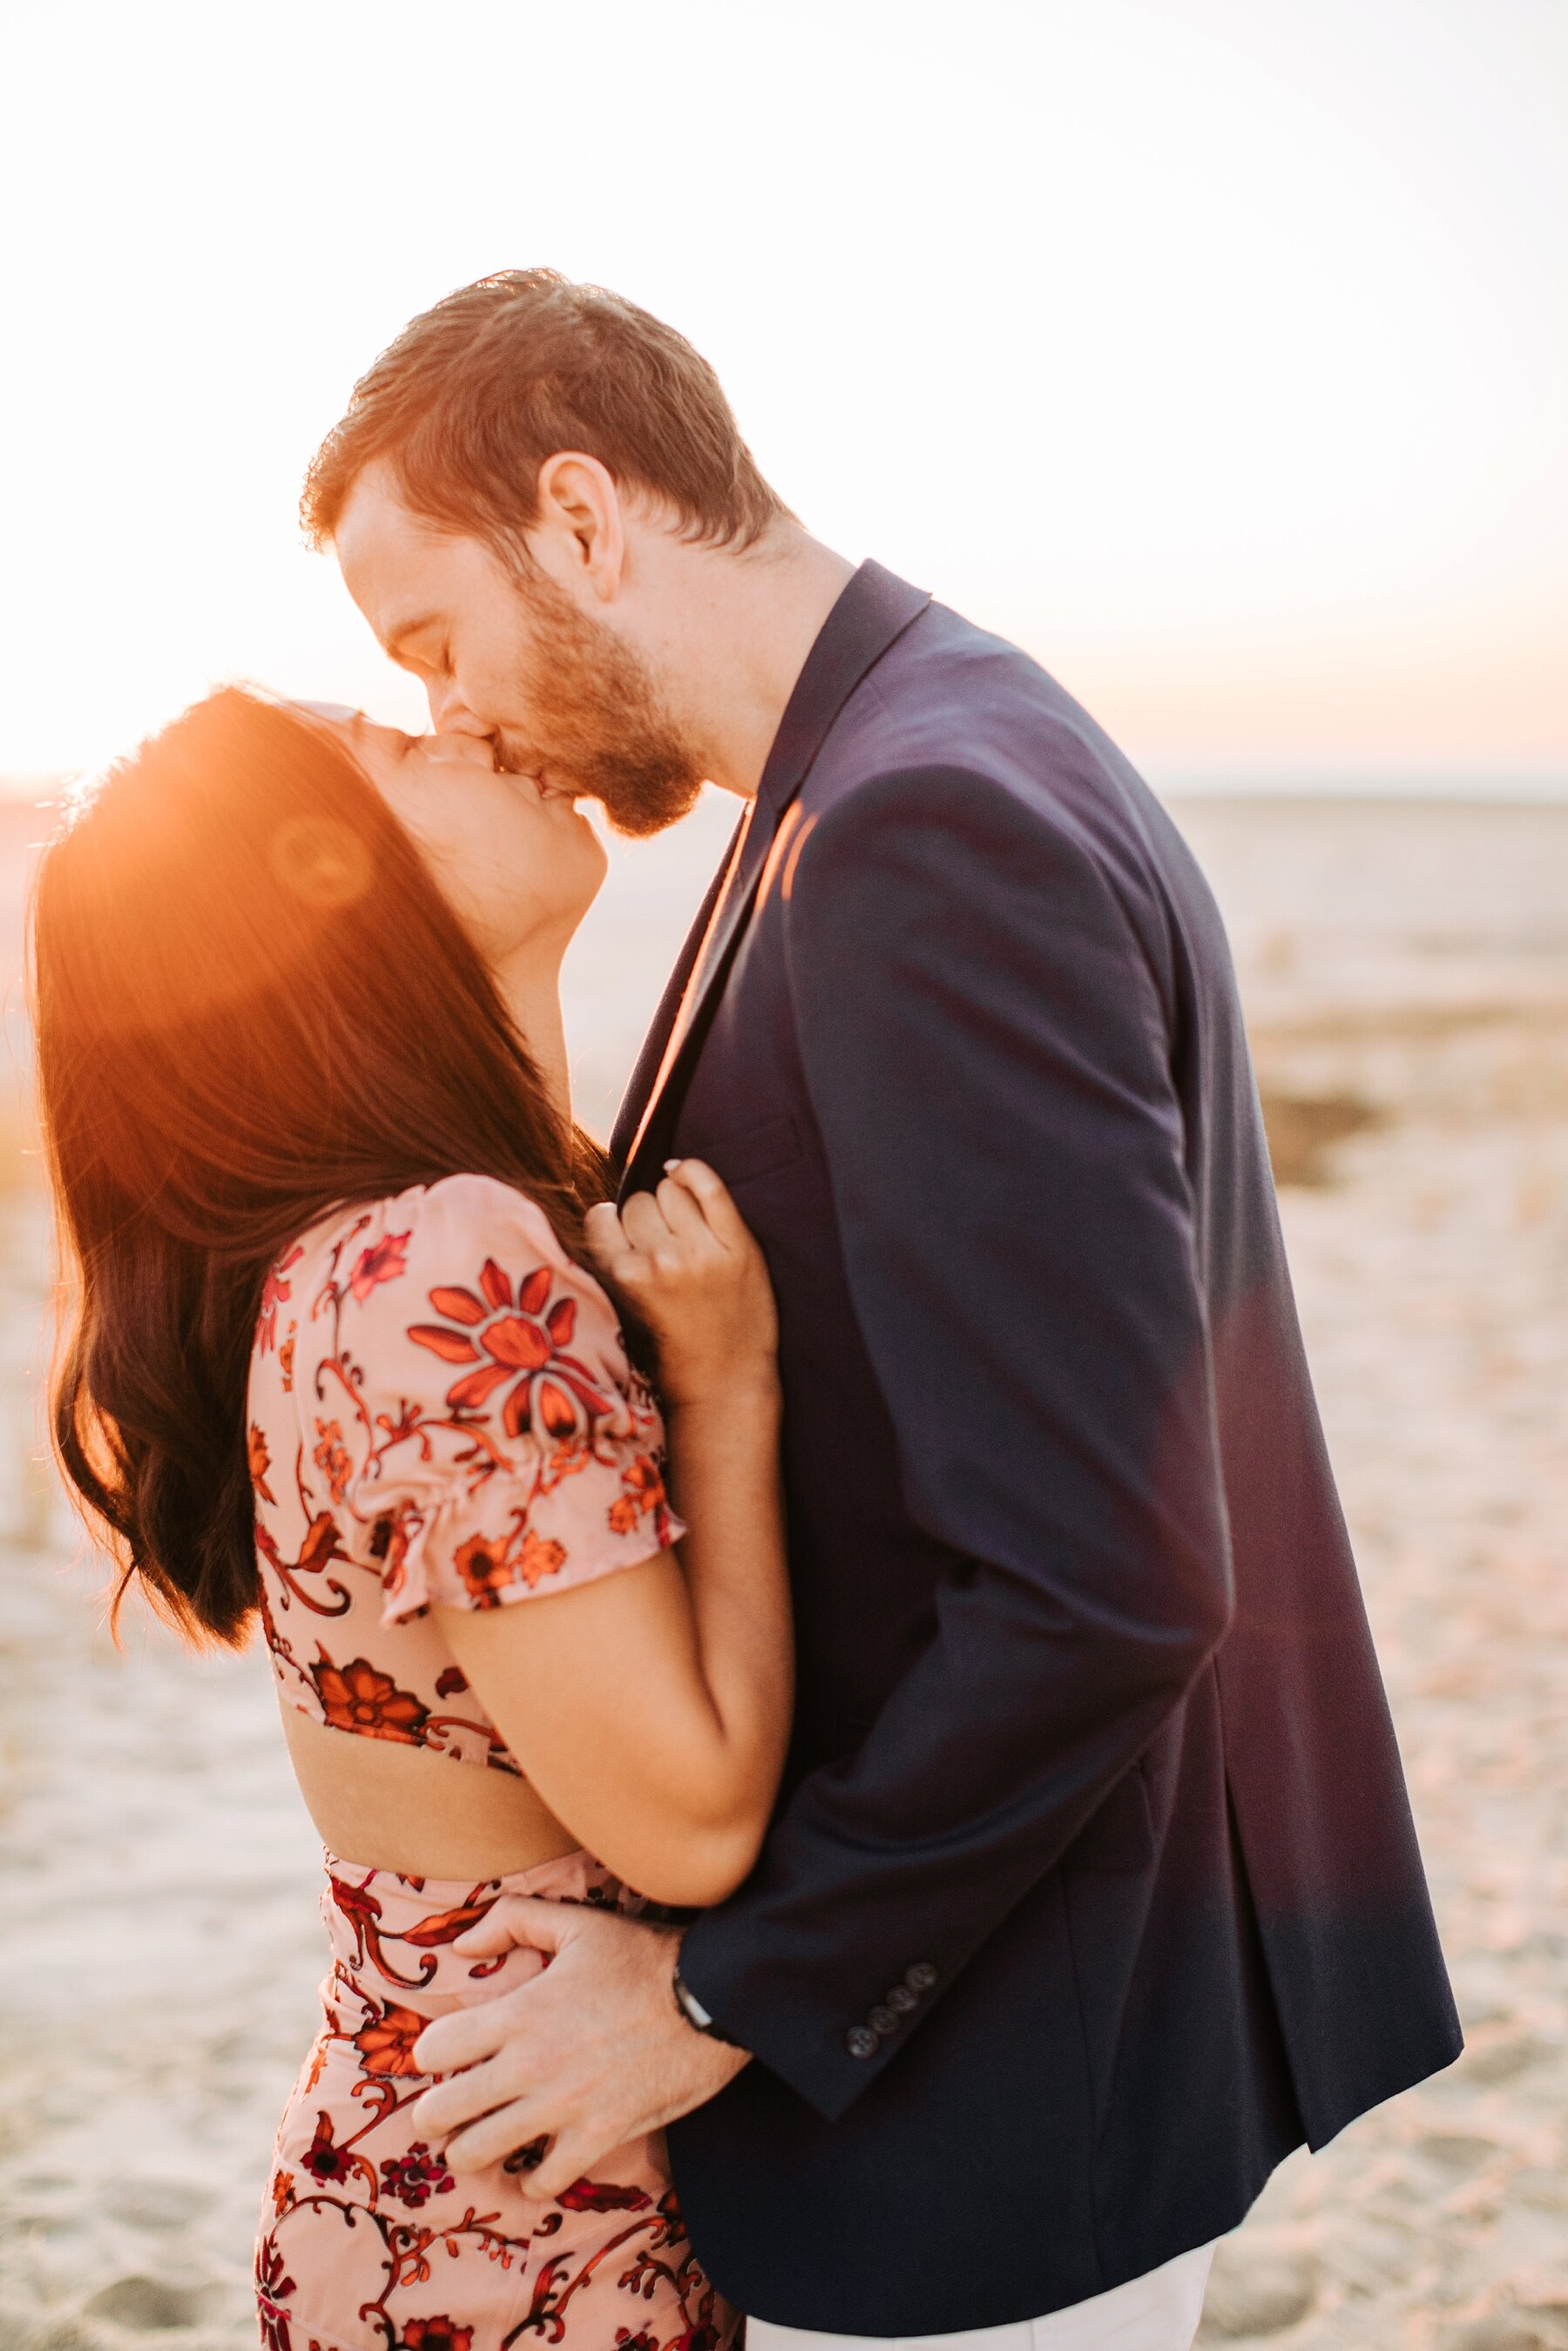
(755, 1151)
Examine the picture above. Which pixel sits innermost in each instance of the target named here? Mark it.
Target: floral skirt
(369, 2244)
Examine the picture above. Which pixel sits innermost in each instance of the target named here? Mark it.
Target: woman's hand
(684, 1260)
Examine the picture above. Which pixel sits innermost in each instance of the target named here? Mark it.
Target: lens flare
(322, 861)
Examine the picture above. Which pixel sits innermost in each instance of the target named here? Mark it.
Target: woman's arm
(651, 1709)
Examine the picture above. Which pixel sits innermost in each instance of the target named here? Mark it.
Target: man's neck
(750, 620)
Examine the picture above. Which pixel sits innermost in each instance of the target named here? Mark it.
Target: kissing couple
(819, 1640)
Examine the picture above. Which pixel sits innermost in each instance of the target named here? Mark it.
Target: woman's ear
(580, 535)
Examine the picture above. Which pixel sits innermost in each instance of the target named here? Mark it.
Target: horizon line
(1228, 778)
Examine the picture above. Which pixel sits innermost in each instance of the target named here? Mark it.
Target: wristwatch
(696, 2014)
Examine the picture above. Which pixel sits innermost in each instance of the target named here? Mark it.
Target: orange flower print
(260, 1462)
(331, 1458)
(541, 1557)
(386, 2043)
(645, 1492)
(356, 1697)
(273, 1294)
(286, 1360)
(487, 1564)
(382, 1262)
(482, 1564)
(282, 2192)
(434, 2335)
(523, 1341)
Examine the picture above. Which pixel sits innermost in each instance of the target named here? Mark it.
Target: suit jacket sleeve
(988, 1059)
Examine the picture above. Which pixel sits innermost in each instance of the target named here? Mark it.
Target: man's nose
(449, 713)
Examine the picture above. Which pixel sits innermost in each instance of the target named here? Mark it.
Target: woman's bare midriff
(403, 1809)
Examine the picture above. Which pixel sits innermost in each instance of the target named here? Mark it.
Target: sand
(1406, 974)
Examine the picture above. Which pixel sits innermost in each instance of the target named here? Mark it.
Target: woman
(339, 1364)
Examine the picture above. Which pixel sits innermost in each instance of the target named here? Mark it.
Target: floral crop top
(441, 1409)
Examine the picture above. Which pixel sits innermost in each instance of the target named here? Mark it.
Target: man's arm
(989, 1063)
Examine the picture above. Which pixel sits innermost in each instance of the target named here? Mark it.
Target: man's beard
(602, 731)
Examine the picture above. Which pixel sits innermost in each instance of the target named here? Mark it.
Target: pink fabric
(441, 1409)
(368, 2243)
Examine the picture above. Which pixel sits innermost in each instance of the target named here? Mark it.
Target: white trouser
(1156, 2313)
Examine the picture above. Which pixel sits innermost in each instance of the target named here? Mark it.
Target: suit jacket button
(860, 2041)
(883, 2021)
(921, 1977)
(902, 2000)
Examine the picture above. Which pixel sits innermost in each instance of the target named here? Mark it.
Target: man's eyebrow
(393, 645)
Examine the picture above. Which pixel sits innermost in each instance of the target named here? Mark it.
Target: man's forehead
(394, 564)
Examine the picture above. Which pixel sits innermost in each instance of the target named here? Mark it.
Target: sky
(1216, 351)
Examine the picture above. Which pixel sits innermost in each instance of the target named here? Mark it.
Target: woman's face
(518, 865)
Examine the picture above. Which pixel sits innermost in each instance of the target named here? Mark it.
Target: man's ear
(580, 535)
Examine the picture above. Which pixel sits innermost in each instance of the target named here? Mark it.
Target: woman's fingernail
(671, 1166)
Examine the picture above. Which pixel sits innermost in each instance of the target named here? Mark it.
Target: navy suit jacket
(1093, 1887)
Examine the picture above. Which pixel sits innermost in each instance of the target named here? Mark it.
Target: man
(1093, 1889)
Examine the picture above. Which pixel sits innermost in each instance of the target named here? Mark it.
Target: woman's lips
(514, 762)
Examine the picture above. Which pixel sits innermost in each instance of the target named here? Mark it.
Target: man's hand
(590, 2054)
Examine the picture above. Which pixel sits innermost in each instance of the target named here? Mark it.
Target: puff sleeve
(498, 1444)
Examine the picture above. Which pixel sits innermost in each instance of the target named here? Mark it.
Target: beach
(1405, 966)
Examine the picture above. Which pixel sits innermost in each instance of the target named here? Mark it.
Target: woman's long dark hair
(252, 1006)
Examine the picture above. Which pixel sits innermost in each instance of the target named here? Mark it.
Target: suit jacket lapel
(872, 612)
(650, 1053)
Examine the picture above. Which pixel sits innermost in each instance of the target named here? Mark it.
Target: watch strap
(696, 2014)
